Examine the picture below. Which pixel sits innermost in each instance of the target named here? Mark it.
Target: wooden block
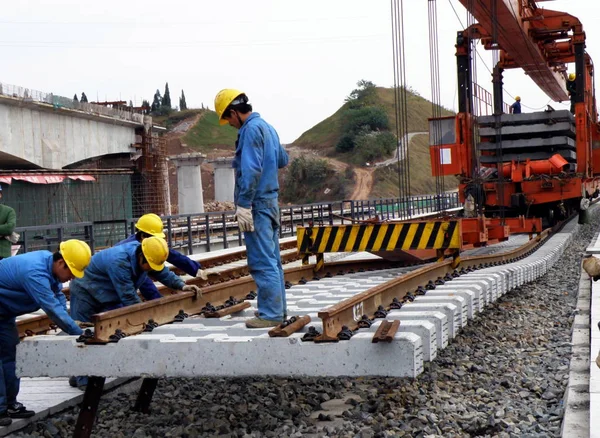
(284, 332)
(386, 331)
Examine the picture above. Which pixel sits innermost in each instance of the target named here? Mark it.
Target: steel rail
(135, 319)
(349, 312)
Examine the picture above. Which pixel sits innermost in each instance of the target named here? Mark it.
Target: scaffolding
(151, 192)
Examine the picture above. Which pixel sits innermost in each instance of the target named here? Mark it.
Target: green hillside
(326, 134)
(208, 134)
(385, 179)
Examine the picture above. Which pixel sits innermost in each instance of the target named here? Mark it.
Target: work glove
(82, 324)
(205, 273)
(244, 218)
(13, 237)
(192, 288)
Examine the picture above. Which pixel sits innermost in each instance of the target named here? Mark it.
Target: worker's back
(22, 279)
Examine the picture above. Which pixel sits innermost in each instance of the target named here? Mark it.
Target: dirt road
(363, 177)
(364, 184)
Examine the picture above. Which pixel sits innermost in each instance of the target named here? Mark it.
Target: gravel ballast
(504, 375)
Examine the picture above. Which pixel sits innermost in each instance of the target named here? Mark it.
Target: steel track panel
(528, 118)
(203, 347)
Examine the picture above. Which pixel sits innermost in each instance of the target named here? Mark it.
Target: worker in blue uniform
(115, 274)
(258, 156)
(151, 225)
(29, 282)
(113, 277)
(572, 90)
(515, 108)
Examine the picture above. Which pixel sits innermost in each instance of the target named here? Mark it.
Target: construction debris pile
(218, 206)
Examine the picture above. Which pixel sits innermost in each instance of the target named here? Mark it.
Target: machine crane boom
(537, 40)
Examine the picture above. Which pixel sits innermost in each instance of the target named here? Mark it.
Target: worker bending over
(29, 282)
(258, 156)
(113, 278)
(115, 274)
(150, 225)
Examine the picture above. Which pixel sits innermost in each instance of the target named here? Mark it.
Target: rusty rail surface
(348, 313)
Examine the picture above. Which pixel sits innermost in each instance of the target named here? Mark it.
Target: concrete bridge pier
(189, 182)
(224, 179)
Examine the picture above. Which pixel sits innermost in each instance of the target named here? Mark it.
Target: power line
(167, 44)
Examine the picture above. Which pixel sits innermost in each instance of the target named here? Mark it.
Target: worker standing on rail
(114, 276)
(151, 225)
(571, 89)
(29, 282)
(8, 222)
(515, 108)
(258, 156)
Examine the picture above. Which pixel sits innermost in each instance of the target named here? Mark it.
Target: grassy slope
(327, 133)
(175, 117)
(385, 180)
(207, 134)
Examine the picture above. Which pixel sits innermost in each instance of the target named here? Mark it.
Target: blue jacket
(258, 156)
(27, 284)
(516, 107)
(114, 276)
(187, 265)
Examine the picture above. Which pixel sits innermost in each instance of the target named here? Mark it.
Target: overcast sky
(297, 61)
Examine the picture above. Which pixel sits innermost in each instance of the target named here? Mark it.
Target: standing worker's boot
(17, 410)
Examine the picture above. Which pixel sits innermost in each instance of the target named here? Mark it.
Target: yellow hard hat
(518, 98)
(151, 224)
(77, 255)
(156, 252)
(223, 99)
(571, 76)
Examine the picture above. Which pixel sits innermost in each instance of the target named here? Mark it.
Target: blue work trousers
(264, 260)
(84, 305)
(9, 383)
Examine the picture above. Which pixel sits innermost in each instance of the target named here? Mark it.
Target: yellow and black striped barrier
(404, 236)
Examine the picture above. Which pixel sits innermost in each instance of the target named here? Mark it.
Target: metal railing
(48, 237)
(205, 232)
(29, 95)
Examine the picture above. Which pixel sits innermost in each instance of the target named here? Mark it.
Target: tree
(365, 94)
(130, 104)
(182, 102)
(156, 103)
(83, 98)
(146, 107)
(346, 143)
(166, 100)
(75, 99)
(373, 117)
